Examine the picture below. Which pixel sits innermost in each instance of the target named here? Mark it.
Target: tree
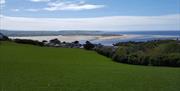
(88, 45)
(3, 37)
(28, 41)
(152, 53)
(44, 41)
(55, 41)
(76, 42)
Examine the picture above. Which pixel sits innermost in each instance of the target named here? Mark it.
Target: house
(57, 43)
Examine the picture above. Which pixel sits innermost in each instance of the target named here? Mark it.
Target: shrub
(154, 53)
(3, 37)
(55, 41)
(27, 41)
(88, 45)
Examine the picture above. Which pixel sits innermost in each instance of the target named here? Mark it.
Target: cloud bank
(60, 5)
(53, 6)
(165, 22)
(39, 0)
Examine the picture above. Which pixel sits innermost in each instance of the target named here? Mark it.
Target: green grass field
(32, 68)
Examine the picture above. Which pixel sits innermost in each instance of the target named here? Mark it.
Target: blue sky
(145, 14)
(111, 8)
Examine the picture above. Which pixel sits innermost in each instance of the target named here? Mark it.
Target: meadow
(33, 68)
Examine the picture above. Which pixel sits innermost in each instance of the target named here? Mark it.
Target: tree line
(154, 53)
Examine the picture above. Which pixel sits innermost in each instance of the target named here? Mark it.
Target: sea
(144, 36)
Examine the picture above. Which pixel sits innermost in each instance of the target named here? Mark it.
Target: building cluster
(57, 43)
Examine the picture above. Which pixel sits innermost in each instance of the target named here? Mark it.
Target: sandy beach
(76, 37)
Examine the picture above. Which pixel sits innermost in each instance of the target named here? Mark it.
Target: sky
(105, 15)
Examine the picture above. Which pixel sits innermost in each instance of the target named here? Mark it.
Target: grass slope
(32, 68)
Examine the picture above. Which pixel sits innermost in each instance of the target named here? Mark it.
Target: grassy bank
(32, 68)
(152, 53)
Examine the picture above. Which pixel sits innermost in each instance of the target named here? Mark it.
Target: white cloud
(2, 2)
(32, 10)
(59, 5)
(15, 10)
(166, 22)
(39, 0)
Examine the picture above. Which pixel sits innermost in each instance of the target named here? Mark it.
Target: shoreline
(72, 38)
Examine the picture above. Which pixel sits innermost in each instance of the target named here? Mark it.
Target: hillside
(33, 68)
(152, 53)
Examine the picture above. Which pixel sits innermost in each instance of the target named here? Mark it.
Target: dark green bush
(27, 41)
(88, 45)
(154, 53)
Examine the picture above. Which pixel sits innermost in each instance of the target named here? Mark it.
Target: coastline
(71, 38)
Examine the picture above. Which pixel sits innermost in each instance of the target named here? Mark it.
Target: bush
(154, 53)
(55, 41)
(27, 41)
(88, 45)
(3, 37)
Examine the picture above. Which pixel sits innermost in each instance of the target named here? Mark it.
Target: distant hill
(49, 33)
